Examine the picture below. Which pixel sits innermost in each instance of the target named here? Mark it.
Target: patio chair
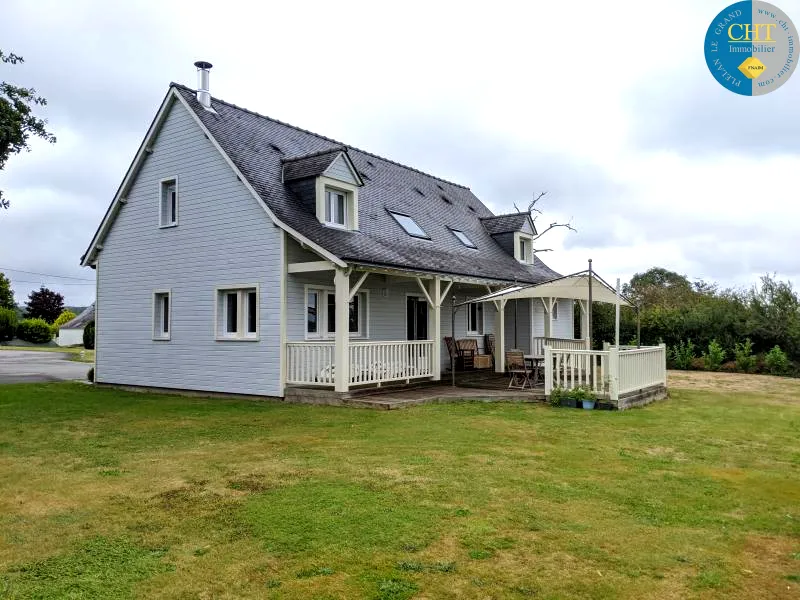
(467, 349)
(518, 369)
(452, 350)
(489, 345)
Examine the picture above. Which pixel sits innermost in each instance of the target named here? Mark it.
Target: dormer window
(523, 250)
(335, 208)
(409, 225)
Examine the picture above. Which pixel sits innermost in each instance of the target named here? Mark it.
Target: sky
(608, 107)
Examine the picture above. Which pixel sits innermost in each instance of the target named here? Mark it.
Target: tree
(17, 121)
(6, 293)
(44, 304)
(535, 213)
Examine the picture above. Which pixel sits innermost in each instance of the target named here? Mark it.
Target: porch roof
(575, 286)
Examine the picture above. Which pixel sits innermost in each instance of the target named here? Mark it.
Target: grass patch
(99, 568)
(698, 496)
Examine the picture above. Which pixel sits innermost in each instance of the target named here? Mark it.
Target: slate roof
(259, 145)
(311, 165)
(82, 320)
(505, 223)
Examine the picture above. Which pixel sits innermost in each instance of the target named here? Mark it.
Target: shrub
(728, 367)
(556, 395)
(35, 331)
(776, 361)
(581, 393)
(712, 360)
(8, 324)
(745, 360)
(698, 364)
(90, 375)
(682, 355)
(88, 336)
(65, 316)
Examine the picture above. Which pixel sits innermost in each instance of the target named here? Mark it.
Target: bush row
(775, 362)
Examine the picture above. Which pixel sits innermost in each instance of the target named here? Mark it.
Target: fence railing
(538, 344)
(313, 363)
(642, 367)
(569, 369)
(608, 373)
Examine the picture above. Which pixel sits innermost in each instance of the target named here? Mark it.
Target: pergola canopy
(574, 286)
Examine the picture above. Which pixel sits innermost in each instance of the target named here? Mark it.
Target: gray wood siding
(341, 171)
(223, 238)
(563, 327)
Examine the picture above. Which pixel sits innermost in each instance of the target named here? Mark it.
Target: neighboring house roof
(259, 145)
(82, 320)
(261, 149)
(506, 223)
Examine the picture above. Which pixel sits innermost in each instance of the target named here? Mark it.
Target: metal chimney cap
(201, 64)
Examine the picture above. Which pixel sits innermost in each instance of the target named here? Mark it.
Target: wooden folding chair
(518, 369)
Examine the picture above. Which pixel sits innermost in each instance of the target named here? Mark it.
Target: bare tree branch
(555, 225)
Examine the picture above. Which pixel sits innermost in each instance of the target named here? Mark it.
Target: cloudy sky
(609, 107)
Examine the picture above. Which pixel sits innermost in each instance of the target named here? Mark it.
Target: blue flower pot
(588, 404)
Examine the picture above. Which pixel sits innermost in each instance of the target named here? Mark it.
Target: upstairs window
(462, 237)
(409, 225)
(524, 247)
(237, 314)
(168, 213)
(161, 314)
(335, 208)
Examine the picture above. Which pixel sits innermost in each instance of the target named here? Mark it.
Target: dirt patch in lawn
(784, 387)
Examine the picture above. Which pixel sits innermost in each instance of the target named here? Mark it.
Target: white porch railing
(608, 373)
(312, 363)
(538, 344)
(569, 369)
(640, 368)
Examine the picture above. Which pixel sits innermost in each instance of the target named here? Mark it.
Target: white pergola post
(500, 335)
(436, 333)
(548, 321)
(341, 281)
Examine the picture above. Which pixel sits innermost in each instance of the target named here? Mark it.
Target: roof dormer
(514, 233)
(327, 183)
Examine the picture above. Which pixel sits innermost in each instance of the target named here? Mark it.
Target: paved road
(36, 367)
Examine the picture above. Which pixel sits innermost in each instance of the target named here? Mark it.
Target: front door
(416, 319)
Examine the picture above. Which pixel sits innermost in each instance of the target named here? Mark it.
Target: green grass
(77, 353)
(110, 494)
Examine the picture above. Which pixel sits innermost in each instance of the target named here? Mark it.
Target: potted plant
(584, 395)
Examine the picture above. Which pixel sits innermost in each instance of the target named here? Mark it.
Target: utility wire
(40, 281)
(45, 274)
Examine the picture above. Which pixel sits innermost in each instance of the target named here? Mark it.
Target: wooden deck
(471, 386)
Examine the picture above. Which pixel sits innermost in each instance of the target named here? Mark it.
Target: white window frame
(162, 187)
(480, 318)
(323, 293)
(555, 310)
(350, 191)
(395, 216)
(157, 320)
(330, 206)
(242, 310)
(528, 239)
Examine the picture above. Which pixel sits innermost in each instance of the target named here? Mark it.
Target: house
(241, 254)
(71, 332)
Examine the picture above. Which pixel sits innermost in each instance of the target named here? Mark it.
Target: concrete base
(641, 397)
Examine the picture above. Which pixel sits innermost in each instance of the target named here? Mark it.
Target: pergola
(585, 287)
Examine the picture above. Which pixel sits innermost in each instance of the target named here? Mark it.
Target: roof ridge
(313, 154)
(326, 138)
(503, 215)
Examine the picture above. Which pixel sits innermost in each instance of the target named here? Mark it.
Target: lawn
(110, 494)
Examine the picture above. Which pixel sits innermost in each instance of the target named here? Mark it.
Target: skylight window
(409, 225)
(463, 238)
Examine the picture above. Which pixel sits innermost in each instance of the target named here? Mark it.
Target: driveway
(37, 367)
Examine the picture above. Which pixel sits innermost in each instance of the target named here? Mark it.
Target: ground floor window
(475, 318)
(162, 314)
(237, 313)
(321, 314)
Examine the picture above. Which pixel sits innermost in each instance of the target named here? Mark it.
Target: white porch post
(436, 329)
(548, 318)
(500, 359)
(613, 372)
(584, 322)
(341, 280)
